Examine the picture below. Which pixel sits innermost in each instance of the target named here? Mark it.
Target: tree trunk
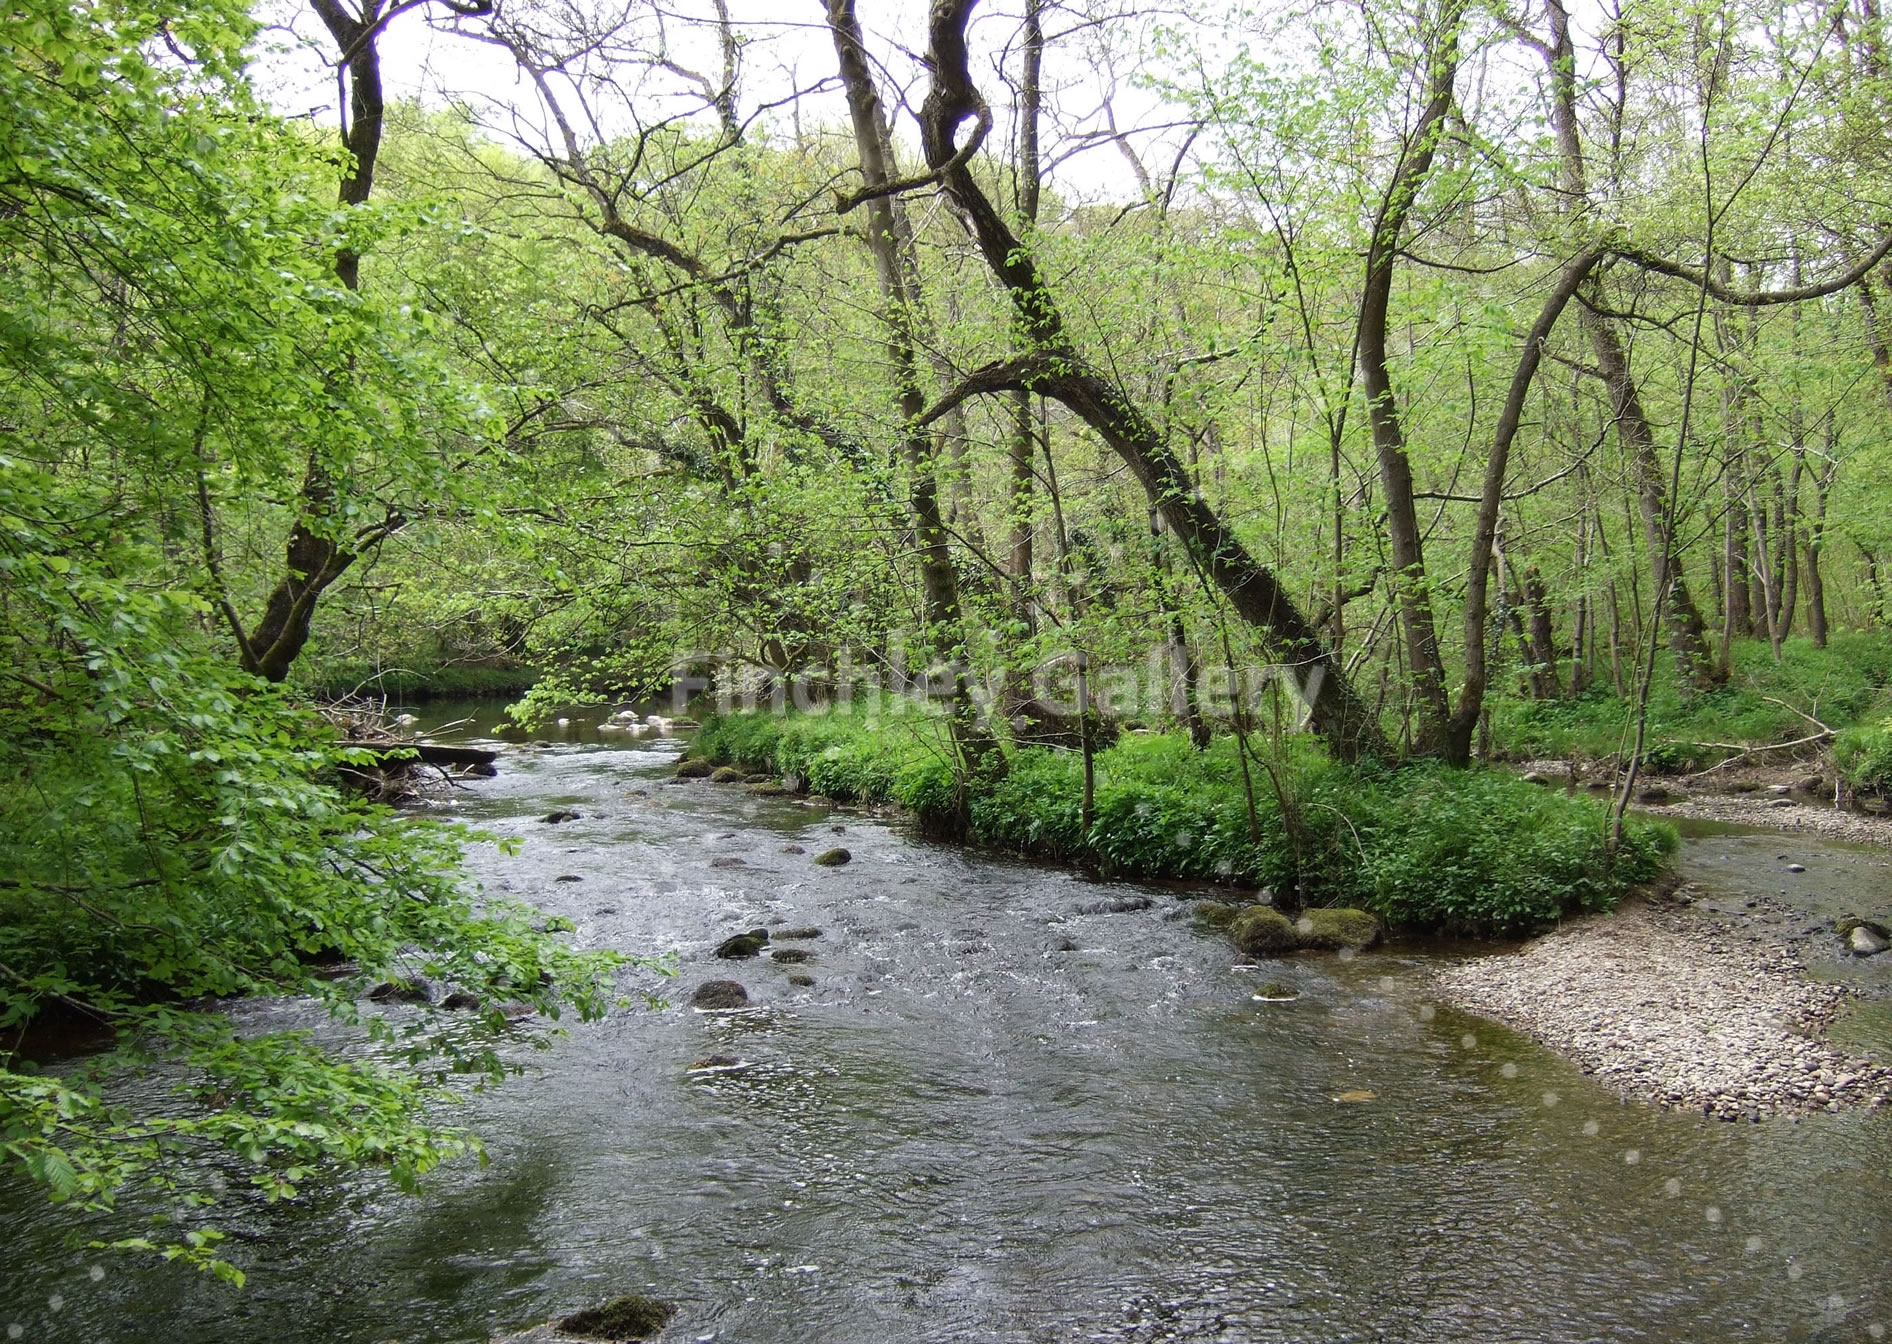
(1676, 608)
(896, 263)
(1054, 368)
(1409, 581)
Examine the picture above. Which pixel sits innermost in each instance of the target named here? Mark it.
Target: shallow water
(961, 1132)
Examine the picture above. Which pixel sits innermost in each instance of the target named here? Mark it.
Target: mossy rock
(833, 858)
(1263, 931)
(768, 789)
(695, 770)
(1340, 927)
(1214, 914)
(758, 779)
(743, 945)
(633, 1316)
(728, 774)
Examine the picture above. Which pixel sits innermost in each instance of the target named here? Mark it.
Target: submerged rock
(728, 861)
(694, 770)
(743, 945)
(563, 814)
(798, 933)
(802, 981)
(791, 955)
(633, 1316)
(728, 774)
(833, 858)
(1263, 931)
(793, 849)
(1115, 905)
(1330, 930)
(715, 994)
(460, 999)
(1273, 991)
(412, 990)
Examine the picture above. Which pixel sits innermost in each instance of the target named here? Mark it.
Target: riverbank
(1422, 847)
(1797, 797)
(1662, 1006)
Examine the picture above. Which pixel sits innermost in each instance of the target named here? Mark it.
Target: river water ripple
(964, 1131)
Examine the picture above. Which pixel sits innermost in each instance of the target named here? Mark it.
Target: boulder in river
(1329, 930)
(694, 770)
(633, 1316)
(728, 861)
(728, 774)
(1214, 914)
(791, 955)
(809, 932)
(833, 858)
(1263, 931)
(802, 981)
(743, 945)
(1864, 938)
(768, 788)
(714, 994)
(562, 814)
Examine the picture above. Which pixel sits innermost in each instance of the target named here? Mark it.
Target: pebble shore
(1658, 1007)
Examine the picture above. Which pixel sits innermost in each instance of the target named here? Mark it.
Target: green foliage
(1839, 685)
(172, 340)
(1423, 847)
(1863, 755)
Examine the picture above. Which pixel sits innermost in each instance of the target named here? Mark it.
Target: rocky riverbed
(1662, 1006)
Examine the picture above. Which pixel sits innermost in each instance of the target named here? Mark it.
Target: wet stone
(718, 994)
(798, 933)
(743, 945)
(562, 814)
(802, 981)
(727, 861)
(833, 858)
(568, 877)
(791, 955)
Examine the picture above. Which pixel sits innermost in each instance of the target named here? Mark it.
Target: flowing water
(1010, 1109)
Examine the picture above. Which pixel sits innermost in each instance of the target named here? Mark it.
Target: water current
(1014, 1105)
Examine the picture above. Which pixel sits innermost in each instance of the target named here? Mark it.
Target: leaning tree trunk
(1052, 367)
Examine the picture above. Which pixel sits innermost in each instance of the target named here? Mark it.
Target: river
(1005, 1112)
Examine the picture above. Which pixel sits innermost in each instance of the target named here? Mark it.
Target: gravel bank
(1658, 1007)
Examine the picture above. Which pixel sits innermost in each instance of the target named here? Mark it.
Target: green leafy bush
(1863, 755)
(1423, 847)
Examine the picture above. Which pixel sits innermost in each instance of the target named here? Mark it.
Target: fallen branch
(1742, 752)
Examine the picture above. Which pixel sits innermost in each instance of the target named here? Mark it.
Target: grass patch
(1422, 846)
(1842, 684)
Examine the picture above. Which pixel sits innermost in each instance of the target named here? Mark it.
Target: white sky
(786, 45)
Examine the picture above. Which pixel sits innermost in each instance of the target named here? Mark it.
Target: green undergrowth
(421, 683)
(1423, 846)
(1763, 702)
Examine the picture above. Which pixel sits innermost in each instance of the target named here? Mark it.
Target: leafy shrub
(1863, 755)
(1423, 847)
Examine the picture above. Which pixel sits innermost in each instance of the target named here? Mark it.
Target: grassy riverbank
(1422, 847)
(1765, 701)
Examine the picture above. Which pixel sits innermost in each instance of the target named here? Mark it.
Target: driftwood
(466, 760)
